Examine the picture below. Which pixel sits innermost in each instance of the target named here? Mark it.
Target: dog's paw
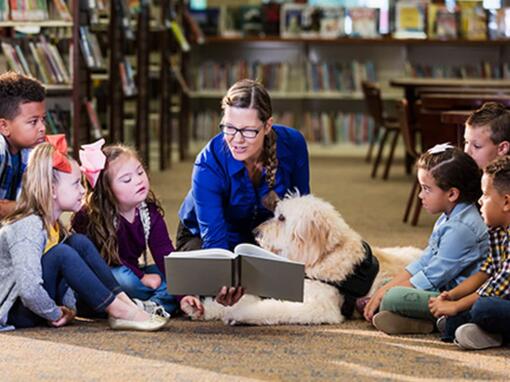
(192, 311)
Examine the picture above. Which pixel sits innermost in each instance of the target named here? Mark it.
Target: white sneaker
(441, 325)
(472, 337)
(152, 307)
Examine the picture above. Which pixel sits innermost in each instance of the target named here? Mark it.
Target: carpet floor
(189, 351)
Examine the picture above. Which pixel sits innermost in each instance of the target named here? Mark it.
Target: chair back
(432, 130)
(373, 102)
(408, 134)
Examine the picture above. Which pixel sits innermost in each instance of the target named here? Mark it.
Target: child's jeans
(409, 302)
(131, 284)
(74, 263)
(492, 314)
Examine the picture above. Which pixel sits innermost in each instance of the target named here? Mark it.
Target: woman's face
(244, 133)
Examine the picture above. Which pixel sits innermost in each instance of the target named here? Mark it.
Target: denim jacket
(456, 248)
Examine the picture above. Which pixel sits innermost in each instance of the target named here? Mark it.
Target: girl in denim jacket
(450, 185)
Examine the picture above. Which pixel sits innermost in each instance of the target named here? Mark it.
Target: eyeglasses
(245, 132)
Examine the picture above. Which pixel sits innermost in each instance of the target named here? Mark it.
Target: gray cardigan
(21, 248)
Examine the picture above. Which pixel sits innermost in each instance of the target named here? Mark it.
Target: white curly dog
(309, 230)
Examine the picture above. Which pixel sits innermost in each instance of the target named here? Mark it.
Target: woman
(241, 173)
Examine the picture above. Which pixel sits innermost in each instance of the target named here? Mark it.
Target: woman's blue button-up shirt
(223, 206)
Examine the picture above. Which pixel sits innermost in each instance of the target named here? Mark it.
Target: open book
(260, 272)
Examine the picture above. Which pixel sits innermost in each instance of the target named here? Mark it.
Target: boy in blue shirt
(22, 126)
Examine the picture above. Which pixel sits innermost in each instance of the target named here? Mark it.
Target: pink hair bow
(92, 161)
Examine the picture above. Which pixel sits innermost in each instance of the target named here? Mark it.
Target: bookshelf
(40, 42)
(392, 58)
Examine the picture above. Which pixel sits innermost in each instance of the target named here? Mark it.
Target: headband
(60, 159)
(92, 161)
(440, 148)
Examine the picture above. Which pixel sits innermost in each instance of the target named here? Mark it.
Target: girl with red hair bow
(42, 267)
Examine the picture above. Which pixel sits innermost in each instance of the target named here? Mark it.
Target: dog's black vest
(359, 282)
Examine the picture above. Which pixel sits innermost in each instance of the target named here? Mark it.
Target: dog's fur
(308, 230)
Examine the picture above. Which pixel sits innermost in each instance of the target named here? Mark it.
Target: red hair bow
(60, 160)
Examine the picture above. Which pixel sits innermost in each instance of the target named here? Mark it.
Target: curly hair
(494, 115)
(17, 89)
(454, 168)
(101, 206)
(250, 94)
(499, 171)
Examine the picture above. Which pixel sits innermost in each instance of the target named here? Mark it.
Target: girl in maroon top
(124, 219)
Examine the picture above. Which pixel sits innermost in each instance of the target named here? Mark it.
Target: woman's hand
(151, 280)
(67, 317)
(229, 296)
(373, 304)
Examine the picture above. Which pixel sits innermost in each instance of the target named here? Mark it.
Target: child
(450, 184)
(478, 310)
(123, 218)
(22, 126)
(39, 265)
(487, 133)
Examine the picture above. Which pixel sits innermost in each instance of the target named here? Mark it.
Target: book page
(210, 253)
(256, 251)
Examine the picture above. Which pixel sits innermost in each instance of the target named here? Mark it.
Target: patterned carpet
(190, 351)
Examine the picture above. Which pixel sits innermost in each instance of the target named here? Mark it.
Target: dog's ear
(310, 236)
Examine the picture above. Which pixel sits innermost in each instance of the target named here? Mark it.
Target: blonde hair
(101, 206)
(250, 94)
(36, 196)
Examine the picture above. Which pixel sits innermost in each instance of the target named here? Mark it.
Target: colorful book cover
(410, 19)
(364, 22)
(473, 20)
(291, 20)
(332, 22)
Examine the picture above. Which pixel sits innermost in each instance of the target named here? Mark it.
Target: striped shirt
(497, 264)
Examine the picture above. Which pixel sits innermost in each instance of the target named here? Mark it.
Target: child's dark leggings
(74, 263)
(492, 314)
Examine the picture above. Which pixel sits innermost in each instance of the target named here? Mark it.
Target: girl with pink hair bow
(124, 219)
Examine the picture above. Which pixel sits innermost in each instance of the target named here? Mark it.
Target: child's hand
(373, 304)
(445, 296)
(192, 307)
(442, 307)
(67, 316)
(151, 280)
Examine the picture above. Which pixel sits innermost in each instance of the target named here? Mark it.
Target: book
(363, 22)
(260, 272)
(332, 22)
(291, 20)
(410, 19)
(473, 20)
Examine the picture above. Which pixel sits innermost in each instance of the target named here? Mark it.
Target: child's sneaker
(472, 337)
(152, 307)
(393, 323)
(441, 325)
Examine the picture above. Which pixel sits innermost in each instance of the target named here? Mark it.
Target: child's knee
(393, 298)
(78, 240)
(483, 308)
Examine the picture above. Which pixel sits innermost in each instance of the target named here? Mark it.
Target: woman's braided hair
(250, 94)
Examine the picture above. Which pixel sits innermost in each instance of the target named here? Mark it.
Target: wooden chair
(389, 126)
(409, 137)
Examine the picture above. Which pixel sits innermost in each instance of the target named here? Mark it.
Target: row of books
(90, 49)
(318, 127)
(127, 77)
(37, 58)
(34, 10)
(466, 19)
(285, 77)
(484, 69)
